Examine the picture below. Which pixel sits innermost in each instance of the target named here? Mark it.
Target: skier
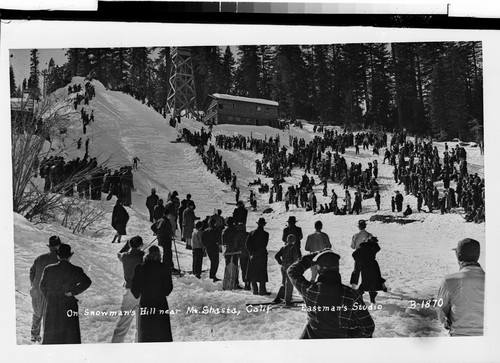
(130, 256)
(59, 284)
(351, 321)
(37, 300)
(135, 160)
(164, 233)
(462, 293)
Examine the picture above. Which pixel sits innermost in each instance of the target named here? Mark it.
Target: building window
(221, 106)
(259, 108)
(233, 106)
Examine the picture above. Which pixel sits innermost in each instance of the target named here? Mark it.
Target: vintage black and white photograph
(265, 190)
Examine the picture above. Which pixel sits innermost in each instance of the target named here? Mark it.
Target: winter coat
(287, 255)
(296, 231)
(36, 272)
(240, 215)
(256, 245)
(158, 212)
(188, 219)
(317, 241)
(196, 239)
(152, 283)
(210, 238)
(229, 241)
(371, 278)
(62, 325)
(119, 219)
(163, 230)
(152, 201)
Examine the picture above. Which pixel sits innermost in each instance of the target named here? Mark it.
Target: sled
(230, 276)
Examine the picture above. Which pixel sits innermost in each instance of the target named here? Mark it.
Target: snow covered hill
(413, 259)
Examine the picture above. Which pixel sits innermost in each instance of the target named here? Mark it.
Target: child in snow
(287, 255)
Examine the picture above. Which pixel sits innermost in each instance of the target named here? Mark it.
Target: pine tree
(33, 81)
(247, 72)
(13, 90)
(227, 71)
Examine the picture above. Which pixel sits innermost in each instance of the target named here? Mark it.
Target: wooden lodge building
(227, 109)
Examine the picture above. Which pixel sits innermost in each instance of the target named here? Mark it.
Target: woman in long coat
(371, 278)
(188, 220)
(119, 220)
(152, 283)
(256, 245)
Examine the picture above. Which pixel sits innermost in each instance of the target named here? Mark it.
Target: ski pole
(176, 255)
(145, 248)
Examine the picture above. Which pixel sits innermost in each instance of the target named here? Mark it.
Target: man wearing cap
(333, 310)
(292, 228)
(37, 300)
(462, 293)
(357, 239)
(129, 259)
(59, 284)
(151, 203)
(256, 245)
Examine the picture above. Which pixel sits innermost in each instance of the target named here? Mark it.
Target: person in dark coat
(240, 238)
(37, 300)
(256, 245)
(152, 283)
(377, 199)
(398, 199)
(158, 210)
(232, 246)
(240, 213)
(151, 203)
(371, 278)
(292, 228)
(211, 241)
(59, 284)
(165, 233)
(127, 182)
(119, 220)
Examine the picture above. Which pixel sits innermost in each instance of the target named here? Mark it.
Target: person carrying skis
(333, 309)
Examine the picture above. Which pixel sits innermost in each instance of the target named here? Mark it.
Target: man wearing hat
(256, 245)
(291, 228)
(37, 300)
(333, 310)
(462, 293)
(130, 257)
(151, 203)
(240, 213)
(357, 239)
(59, 284)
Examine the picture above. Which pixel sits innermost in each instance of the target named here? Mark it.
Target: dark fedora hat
(64, 251)
(468, 249)
(54, 241)
(292, 219)
(261, 221)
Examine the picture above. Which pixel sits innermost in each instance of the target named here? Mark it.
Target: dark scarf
(468, 263)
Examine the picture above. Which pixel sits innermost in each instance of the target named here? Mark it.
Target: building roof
(245, 99)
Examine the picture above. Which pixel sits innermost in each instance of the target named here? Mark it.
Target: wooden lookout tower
(182, 92)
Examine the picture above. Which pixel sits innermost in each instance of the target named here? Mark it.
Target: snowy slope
(413, 259)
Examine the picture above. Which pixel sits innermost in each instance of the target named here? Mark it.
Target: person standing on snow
(152, 283)
(37, 300)
(59, 284)
(211, 241)
(119, 220)
(256, 245)
(129, 260)
(357, 239)
(292, 228)
(151, 202)
(349, 319)
(462, 293)
(315, 242)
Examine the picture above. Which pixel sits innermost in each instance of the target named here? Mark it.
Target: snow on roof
(245, 99)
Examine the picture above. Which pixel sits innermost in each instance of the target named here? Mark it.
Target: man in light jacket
(461, 294)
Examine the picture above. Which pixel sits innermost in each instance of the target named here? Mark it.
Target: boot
(255, 289)
(280, 295)
(247, 286)
(373, 294)
(262, 290)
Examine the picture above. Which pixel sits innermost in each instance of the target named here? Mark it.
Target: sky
(20, 61)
